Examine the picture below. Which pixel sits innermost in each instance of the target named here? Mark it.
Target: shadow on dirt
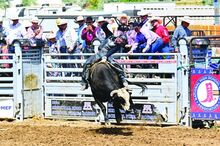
(114, 131)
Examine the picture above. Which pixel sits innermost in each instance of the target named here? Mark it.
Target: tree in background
(95, 4)
(87, 4)
(4, 4)
(77, 2)
(28, 2)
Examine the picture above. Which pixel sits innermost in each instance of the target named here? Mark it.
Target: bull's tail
(143, 86)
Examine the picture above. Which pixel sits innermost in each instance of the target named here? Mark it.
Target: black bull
(106, 87)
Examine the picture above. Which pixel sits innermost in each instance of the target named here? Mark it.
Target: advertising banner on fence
(6, 108)
(205, 98)
(73, 108)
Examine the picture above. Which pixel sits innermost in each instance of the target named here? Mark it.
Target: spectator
(3, 30)
(66, 38)
(181, 31)
(139, 43)
(131, 33)
(107, 29)
(81, 44)
(144, 18)
(122, 30)
(122, 25)
(113, 25)
(158, 28)
(3, 44)
(36, 30)
(53, 51)
(100, 34)
(66, 41)
(88, 34)
(154, 41)
(15, 31)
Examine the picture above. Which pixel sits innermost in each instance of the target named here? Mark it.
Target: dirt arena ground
(38, 132)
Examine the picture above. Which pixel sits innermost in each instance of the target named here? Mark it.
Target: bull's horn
(113, 92)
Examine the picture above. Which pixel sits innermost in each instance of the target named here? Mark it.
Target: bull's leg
(117, 113)
(103, 108)
(136, 112)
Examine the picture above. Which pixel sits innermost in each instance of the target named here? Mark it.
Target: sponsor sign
(146, 110)
(6, 108)
(205, 98)
(73, 108)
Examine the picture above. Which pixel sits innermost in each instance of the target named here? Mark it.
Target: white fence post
(18, 85)
(183, 81)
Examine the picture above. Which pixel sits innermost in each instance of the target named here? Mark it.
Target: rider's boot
(123, 79)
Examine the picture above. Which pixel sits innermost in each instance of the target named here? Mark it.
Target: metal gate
(21, 82)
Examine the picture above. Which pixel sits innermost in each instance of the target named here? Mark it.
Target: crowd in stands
(129, 35)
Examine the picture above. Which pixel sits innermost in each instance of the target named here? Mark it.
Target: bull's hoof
(137, 114)
(107, 123)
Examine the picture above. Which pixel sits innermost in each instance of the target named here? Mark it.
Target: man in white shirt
(15, 31)
(66, 41)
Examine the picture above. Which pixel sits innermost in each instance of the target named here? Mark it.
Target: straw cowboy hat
(100, 19)
(186, 19)
(143, 13)
(79, 18)
(51, 36)
(35, 20)
(123, 16)
(61, 21)
(157, 19)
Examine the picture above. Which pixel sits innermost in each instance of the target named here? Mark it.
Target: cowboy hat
(186, 19)
(143, 13)
(123, 15)
(157, 19)
(35, 20)
(101, 19)
(89, 19)
(51, 36)
(79, 18)
(14, 17)
(61, 21)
